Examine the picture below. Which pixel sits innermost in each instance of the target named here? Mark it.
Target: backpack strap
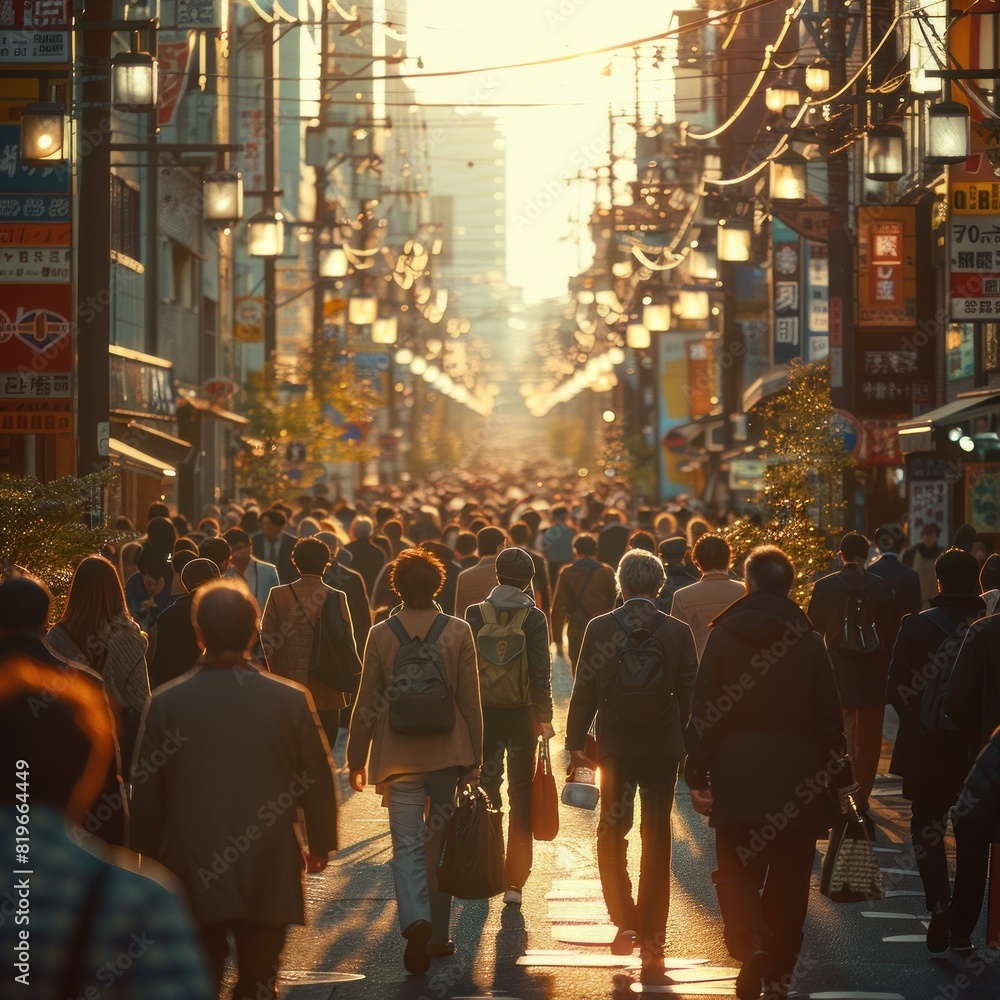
(437, 627)
(488, 612)
(312, 625)
(578, 597)
(398, 631)
(518, 620)
(940, 619)
(623, 621)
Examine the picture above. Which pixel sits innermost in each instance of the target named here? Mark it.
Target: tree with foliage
(320, 416)
(45, 528)
(801, 507)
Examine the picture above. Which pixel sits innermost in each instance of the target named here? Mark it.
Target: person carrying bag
(472, 863)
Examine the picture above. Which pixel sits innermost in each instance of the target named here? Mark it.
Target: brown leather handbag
(544, 798)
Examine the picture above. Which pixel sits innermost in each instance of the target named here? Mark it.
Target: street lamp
(733, 240)
(884, 152)
(333, 262)
(655, 316)
(637, 336)
(788, 175)
(43, 130)
(223, 197)
(693, 304)
(384, 330)
(703, 265)
(266, 234)
(948, 133)
(779, 96)
(362, 309)
(818, 77)
(133, 82)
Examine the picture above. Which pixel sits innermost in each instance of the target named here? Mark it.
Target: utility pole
(270, 187)
(93, 223)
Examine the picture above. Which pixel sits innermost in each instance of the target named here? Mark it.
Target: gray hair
(361, 527)
(640, 573)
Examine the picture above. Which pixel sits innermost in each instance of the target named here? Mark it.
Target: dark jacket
(925, 761)
(973, 699)
(766, 722)
(536, 637)
(861, 677)
(176, 650)
(612, 543)
(595, 673)
(241, 752)
(259, 546)
(367, 559)
(353, 585)
(676, 578)
(978, 805)
(584, 589)
(901, 580)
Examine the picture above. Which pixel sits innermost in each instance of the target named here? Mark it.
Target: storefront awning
(916, 434)
(138, 461)
(210, 409)
(769, 384)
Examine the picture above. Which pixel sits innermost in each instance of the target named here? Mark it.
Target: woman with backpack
(417, 731)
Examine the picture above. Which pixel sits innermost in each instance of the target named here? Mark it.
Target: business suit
(261, 577)
(902, 581)
(367, 559)
(475, 584)
(226, 757)
(175, 644)
(699, 603)
(278, 554)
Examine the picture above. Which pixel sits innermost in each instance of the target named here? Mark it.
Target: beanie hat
(515, 567)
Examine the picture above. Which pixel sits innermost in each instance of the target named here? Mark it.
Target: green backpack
(502, 652)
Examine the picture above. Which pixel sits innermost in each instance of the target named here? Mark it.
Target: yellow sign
(248, 319)
(975, 197)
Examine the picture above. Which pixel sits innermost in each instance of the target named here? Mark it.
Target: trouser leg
(406, 799)
(617, 804)
(258, 950)
(928, 825)
(656, 798)
(215, 943)
(521, 744)
(867, 748)
(972, 862)
(785, 898)
(494, 748)
(574, 640)
(738, 880)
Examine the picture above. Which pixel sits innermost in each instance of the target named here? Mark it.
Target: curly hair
(417, 576)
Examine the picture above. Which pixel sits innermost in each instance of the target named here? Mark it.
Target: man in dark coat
(584, 589)
(174, 640)
(244, 751)
(342, 577)
(366, 557)
(933, 762)
(765, 731)
(273, 544)
(901, 580)
(672, 552)
(634, 757)
(861, 677)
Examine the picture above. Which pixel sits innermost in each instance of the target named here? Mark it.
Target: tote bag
(471, 865)
(544, 798)
(850, 870)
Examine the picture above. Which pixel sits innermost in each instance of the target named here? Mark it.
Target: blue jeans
(417, 842)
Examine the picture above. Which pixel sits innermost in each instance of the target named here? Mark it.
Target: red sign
(39, 234)
(34, 13)
(172, 63)
(887, 286)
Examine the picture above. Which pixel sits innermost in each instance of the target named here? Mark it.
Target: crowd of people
(201, 681)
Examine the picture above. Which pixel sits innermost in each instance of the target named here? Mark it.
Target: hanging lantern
(43, 133)
(779, 96)
(703, 265)
(362, 309)
(418, 365)
(333, 262)
(133, 82)
(948, 133)
(656, 316)
(884, 152)
(733, 240)
(404, 356)
(637, 336)
(222, 194)
(818, 77)
(789, 178)
(384, 330)
(266, 234)
(693, 304)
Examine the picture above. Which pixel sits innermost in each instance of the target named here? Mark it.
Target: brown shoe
(441, 950)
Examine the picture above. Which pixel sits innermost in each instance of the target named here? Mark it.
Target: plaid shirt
(141, 944)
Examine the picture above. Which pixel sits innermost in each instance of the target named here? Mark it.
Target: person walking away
(901, 580)
(474, 584)
(699, 603)
(929, 753)
(989, 583)
(515, 683)
(672, 553)
(641, 700)
(175, 649)
(367, 558)
(520, 535)
(749, 759)
(584, 590)
(920, 558)
(352, 584)
(853, 610)
(556, 541)
(252, 742)
(417, 755)
(97, 631)
(289, 623)
(87, 911)
(260, 577)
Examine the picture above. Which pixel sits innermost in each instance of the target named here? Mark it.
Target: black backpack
(858, 632)
(642, 686)
(933, 716)
(420, 701)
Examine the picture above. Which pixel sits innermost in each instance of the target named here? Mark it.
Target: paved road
(851, 951)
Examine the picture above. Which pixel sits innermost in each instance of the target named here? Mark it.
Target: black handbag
(471, 865)
(850, 869)
(333, 658)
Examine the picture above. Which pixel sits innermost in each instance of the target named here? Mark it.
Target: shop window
(991, 347)
(125, 219)
(960, 356)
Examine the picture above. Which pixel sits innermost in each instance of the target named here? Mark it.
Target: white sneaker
(512, 897)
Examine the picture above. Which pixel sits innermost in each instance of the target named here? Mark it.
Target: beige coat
(286, 634)
(475, 584)
(699, 603)
(393, 753)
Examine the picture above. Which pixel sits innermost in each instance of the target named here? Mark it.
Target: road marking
(899, 871)
(845, 995)
(685, 990)
(889, 893)
(575, 960)
(595, 934)
(704, 974)
(891, 916)
(906, 939)
(315, 977)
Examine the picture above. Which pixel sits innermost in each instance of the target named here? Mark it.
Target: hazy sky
(547, 144)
